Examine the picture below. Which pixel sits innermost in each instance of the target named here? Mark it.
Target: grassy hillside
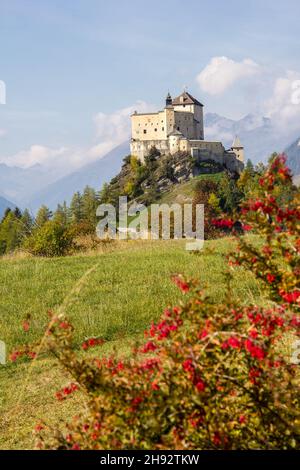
(185, 191)
(114, 293)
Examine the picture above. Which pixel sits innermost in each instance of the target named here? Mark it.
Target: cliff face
(146, 183)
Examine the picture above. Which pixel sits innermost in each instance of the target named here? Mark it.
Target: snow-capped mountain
(259, 135)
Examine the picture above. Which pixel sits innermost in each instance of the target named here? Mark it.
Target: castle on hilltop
(179, 127)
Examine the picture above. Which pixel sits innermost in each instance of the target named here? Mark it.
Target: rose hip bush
(277, 219)
(206, 376)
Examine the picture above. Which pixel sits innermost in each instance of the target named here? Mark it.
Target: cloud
(114, 128)
(221, 73)
(3, 132)
(283, 107)
(36, 154)
(111, 129)
(215, 132)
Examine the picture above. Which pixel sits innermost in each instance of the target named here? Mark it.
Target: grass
(114, 294)
(184, 192)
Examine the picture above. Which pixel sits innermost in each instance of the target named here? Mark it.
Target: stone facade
(179, 127)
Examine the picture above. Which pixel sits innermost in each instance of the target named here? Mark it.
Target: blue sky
(64, 62)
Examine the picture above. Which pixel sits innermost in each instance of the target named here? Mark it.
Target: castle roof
(236, 143)
(186, 98)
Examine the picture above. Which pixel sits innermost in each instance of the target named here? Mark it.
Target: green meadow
(114, 293)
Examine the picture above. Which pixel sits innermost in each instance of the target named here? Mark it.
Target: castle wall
(204, 151)
(213, 147)
(141, 149)
(197, 112)
(239, 153)
(188, 119)
(185, 123)
(170, 120)
(151, 126)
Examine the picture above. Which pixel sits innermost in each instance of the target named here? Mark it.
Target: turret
(238, 148)
(168, 100)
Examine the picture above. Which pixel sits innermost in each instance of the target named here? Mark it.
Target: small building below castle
(179, 128)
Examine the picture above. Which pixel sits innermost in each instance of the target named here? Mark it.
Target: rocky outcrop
(145, 183)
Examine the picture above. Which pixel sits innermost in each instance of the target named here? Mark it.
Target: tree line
(19, 228)
(53, 233)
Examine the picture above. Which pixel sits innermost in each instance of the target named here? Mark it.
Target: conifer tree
(43, 215)
(26, 223)
(6, 212)
(9, 233)
(61, 215)
(89, 205)
(76, 208)
(18, 213)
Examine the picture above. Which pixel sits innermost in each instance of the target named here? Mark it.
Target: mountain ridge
(5, 204)
(293, 157)
(37, 185)
(93, 174)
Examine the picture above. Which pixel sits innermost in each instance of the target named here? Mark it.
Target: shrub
(277, 218)
(51, 239)
(207, 376)
(203, 195)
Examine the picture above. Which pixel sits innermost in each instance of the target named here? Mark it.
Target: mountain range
(34, 186)
(259, 136)
(93, 174)
(5, 204)
(293, 154)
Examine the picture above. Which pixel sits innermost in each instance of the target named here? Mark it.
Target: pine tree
(26, 223)
(43, 215)
(7, 211)
(230, 194)
(104, 194)
(250, 167)
(18, 213)
(89, 205)
(10, 235)
(61, 215)
(76, 208)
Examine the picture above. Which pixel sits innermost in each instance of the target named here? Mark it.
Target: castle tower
(238, 149)
(168, 100)
(185, 104)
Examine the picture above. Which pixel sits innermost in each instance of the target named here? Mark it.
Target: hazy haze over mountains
(94, 174)
(259, 135)
(37, 185)
(293, 154)
(4, 204)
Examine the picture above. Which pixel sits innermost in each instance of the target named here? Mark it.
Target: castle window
(178, 128)
(155, 130)
(145, 131)
(162, 128)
